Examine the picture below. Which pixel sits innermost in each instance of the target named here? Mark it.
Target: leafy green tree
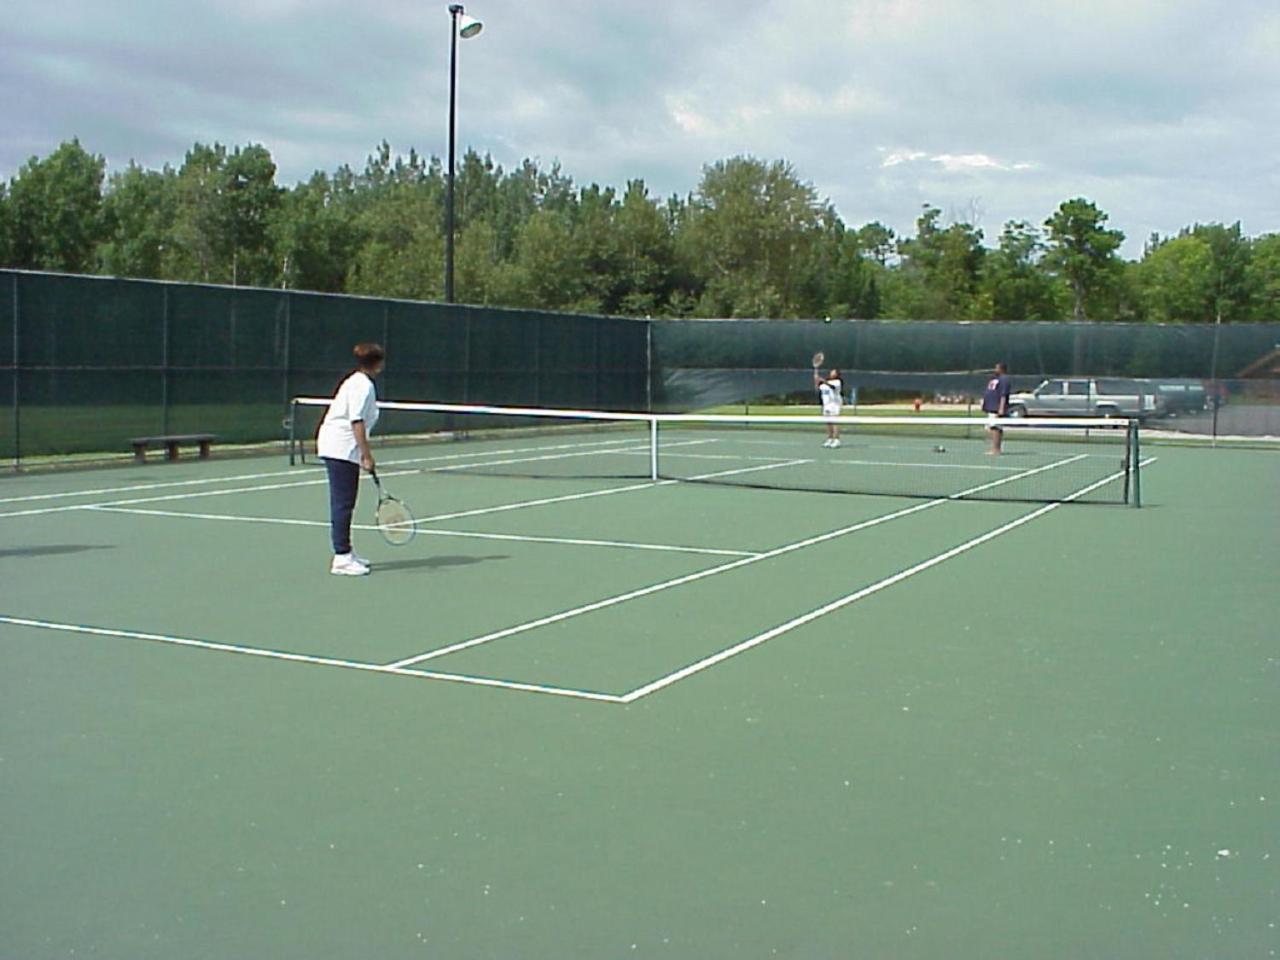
(747, 227)
(752, 240)
(1264, 278)
(938, 276)
(1231, 281)
(548, 271)
(646, 248)
(1175, 281)
(402, 253)
(1083, 252)
(477, 189)
(55, 210)
(1014, 285)
(878, 241)
(1202, 275)
(481, 275)
(594, 233)
(839, 278)
(202, 234)
(138, 211)
(314, 235)
(6, 227)
(251, 199)
(399, 204)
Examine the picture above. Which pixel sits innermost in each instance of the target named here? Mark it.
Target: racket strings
(395, 522)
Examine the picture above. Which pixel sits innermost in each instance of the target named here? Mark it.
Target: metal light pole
(466, 27)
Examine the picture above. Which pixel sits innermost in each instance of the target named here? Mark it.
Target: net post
(293, 421)
(653, 448)
(1128, 459)
(1135, 463)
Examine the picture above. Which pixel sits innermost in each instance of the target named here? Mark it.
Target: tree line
(753, 239)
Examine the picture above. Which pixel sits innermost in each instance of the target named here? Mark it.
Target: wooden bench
(171, 442)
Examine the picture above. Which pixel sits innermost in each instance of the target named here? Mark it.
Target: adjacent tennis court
(585, 712)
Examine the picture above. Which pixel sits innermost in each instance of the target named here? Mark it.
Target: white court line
(209, 493)
(876, 587)
(323, 480)
(861, 463)
(171, 496)
(306, 658)
(137, 487)
(698, 575)
(133, 488)
(588, 494)
(631, 447)
(563, 498)
(463, 534)
(540, 448)
(571, 541)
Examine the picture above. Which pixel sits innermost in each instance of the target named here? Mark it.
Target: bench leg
(204, 449)
(171, 451)
(139, 453)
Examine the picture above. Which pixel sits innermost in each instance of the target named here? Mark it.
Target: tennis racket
(394, 519)
(818, 358)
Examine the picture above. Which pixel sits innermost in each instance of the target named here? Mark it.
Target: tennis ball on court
(826, 319)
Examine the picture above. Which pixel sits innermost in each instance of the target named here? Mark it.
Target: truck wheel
(1017, 411)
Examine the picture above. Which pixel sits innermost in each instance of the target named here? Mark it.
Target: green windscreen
(86, 363)
(1206, 379)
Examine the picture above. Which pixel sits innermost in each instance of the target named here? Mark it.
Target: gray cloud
(1163, 113)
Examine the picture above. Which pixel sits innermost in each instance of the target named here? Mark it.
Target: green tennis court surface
(593, 715)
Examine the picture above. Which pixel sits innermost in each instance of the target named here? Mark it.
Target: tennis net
(1043, 460)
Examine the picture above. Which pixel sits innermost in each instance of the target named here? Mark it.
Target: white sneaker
(359, 559)
(836, 442)
(826, 442)
(348, 565)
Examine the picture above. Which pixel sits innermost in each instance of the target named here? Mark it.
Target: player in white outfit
(830, 390)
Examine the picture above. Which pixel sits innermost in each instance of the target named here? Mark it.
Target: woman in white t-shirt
(829, 390)
(343, 444)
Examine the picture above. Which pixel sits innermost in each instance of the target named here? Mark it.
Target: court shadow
(57, 550)
(434, 563)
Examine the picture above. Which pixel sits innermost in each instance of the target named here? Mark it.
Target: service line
(463, 534)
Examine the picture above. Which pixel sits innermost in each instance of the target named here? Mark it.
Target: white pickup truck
(1080, 397)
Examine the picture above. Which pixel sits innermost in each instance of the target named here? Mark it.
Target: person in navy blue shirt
(995, 404)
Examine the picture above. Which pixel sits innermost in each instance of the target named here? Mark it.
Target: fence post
(164, 361)
(538, 331)
(17, 380)
(466, 353)
(1213, 375)
(648, 365)
(286, 373)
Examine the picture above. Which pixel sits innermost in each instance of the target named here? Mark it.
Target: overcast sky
(1163, 112)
